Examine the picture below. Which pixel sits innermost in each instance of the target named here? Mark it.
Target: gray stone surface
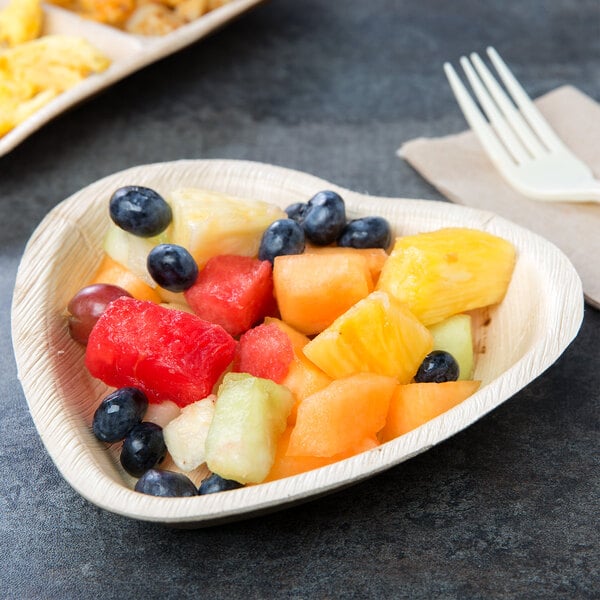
(507, 508)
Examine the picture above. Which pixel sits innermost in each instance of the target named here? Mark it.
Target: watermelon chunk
(169, 354)
(234, 291)
(264, 351)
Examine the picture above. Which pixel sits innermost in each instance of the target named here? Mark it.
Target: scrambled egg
(20, 21)
(35, 68)
(34, 71)
(142, 17)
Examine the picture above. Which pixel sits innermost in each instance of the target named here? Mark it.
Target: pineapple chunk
(448, 271)
(209, 223)
(376, 335)
(250, 415)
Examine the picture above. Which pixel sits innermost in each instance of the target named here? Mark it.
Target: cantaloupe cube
(339, 417)
(287, 466)
(375, 257)
(414, 404)
(110, 271)
(377, 335)
(303, 377)
(448, 271)
(298, 340)
(312, 290)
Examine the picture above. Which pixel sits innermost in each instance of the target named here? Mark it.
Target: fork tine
(510, 141)
(514, 117)
(476, 121)
(528, 108)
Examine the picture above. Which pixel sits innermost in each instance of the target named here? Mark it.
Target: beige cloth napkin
(459, 168)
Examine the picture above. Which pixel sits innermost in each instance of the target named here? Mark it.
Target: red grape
(87, 305)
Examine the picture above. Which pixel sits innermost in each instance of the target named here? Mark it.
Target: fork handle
(583, 194)
(591, 194)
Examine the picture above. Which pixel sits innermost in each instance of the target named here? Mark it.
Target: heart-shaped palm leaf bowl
(526, 333)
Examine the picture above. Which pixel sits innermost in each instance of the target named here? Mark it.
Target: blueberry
(119, 413)
(143, 448)
(297, 211)
(140, 210)
(283, 236)
(325, 218)
(165, 483)
(172, 267)
(215, 483)
(368, 232)
(438, 366)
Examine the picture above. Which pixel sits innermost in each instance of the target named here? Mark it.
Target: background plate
(527, 332)
(128, 53)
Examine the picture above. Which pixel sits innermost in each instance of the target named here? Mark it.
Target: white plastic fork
(519, 141)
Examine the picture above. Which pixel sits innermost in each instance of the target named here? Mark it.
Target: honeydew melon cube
(250, 415)
(131, 251)
(455, 336)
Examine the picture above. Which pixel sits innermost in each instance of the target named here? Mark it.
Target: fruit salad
(254, 343)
